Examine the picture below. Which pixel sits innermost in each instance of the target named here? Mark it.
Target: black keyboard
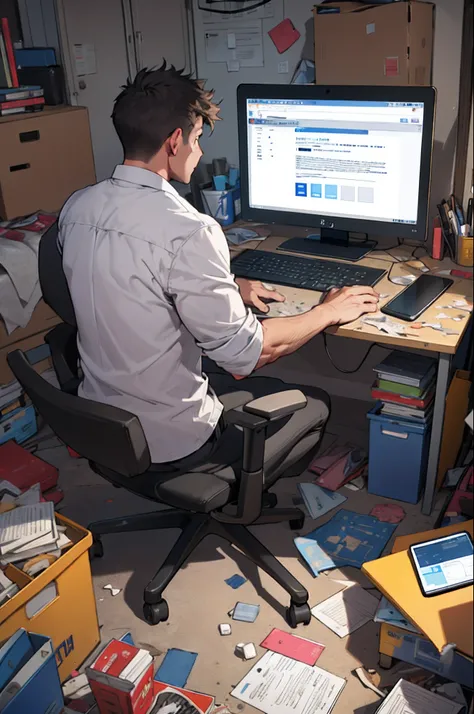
(307, 273)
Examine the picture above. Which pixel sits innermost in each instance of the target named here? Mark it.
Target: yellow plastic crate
(59, 603)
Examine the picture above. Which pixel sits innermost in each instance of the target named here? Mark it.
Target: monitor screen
(356, 161)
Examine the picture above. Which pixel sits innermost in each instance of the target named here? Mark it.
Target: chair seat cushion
(199, 492)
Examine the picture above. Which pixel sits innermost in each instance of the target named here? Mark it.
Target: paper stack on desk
(27, 531)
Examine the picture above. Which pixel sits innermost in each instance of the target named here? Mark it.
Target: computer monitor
(337, 159)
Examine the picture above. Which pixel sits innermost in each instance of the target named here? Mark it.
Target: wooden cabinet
(44, 157)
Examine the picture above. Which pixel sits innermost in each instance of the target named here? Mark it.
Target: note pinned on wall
(241, 43)
(85, 59)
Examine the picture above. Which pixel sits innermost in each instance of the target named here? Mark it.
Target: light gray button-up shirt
(152, 290)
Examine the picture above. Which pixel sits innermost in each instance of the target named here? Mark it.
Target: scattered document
(346, 611)
(243, 42)
(346, 539)
(319, 500)
(298, 648)
(28, 531)
(280, 685)
(386, 612)
(408, 698)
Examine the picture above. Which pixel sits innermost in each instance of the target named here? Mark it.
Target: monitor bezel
(415, 232)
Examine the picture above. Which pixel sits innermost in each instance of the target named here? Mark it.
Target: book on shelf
(405, 390)
(419, 402)
(16, 93)
(406, 368)
(421, 415)
(30, 102)
(8, 73)
(21, 110)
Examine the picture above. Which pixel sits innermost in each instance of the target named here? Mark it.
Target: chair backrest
(108, 436)
(52, 278)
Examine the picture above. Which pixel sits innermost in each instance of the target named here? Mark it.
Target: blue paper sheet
(346, 539)
(176, 667)
(236, 581)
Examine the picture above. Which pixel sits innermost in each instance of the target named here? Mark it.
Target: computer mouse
(260, 313)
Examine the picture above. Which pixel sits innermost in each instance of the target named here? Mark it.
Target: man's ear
(175, 141)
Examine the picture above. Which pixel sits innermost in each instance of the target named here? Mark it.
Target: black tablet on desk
(443, 564)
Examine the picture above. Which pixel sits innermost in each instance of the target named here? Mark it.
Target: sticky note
(284, 35)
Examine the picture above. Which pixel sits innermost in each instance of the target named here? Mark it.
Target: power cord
(244, 8)
(356, 369)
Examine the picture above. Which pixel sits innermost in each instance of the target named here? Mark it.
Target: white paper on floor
(280, 685)
(347, 610)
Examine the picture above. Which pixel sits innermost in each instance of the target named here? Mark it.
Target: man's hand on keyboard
(348, 304)
(255, 294)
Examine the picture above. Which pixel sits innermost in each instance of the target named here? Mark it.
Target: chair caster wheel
(298, 523)
(270, 500)
(96, 549)
(298, 615)
(154, 614)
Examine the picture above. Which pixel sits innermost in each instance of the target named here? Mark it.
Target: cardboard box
(419, 651)
(374, 44)
(46, 156)
(121, 679)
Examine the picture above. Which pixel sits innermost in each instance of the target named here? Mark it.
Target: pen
(469, 213)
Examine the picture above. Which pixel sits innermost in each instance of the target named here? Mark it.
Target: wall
(446, 65)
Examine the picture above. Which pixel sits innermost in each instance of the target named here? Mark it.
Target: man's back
(133, 254)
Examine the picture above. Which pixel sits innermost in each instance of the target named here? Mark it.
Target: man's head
(159, 117)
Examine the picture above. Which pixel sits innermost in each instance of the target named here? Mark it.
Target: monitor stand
(332, 244)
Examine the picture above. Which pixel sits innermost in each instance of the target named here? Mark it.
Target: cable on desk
(356, 369)
(239, 11)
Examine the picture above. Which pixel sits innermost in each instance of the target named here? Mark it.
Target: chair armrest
(277, 406)
(254, 418)
(260, 412)
(62, 342)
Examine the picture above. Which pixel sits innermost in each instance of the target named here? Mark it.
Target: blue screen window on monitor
(339, 160)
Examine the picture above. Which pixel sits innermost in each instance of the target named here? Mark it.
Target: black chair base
(194, 528)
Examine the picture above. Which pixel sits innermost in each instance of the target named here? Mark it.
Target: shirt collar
(142, 177)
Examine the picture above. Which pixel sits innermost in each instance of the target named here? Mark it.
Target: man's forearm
(284, 335)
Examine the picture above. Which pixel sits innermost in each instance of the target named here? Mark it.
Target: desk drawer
(44, 158)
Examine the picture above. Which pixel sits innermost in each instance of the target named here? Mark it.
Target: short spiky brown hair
(156, 103)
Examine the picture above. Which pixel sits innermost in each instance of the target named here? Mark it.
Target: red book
(7, 38)
(23, 469)
(33, 101)
(416, 402)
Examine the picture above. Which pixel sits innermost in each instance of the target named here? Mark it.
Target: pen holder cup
(224, 206)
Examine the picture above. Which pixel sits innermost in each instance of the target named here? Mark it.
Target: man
(152, 290)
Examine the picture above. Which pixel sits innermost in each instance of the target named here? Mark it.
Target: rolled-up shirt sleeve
(209, 303)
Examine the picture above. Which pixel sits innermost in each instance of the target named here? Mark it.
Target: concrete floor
(199, 598)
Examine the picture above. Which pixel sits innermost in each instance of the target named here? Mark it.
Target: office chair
(215, 502)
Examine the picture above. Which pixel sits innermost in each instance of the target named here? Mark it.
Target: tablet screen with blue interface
(443, 564)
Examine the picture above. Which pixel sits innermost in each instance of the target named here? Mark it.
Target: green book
(405, 389)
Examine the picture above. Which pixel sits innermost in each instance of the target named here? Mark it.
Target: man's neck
(159, 170)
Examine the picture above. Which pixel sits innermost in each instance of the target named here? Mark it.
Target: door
(157, 38)
(95, 35)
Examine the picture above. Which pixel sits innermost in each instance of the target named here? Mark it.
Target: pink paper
(293, 646)
(388, 513)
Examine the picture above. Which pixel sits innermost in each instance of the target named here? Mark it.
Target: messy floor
(199, 598)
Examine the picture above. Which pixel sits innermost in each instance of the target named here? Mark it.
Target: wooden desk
(443, 346)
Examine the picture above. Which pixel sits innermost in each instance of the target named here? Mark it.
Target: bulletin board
(236, 49)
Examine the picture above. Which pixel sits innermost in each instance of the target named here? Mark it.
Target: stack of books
(13, 98)
(406, 386)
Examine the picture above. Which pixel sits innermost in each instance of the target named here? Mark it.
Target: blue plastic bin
(398, 456)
